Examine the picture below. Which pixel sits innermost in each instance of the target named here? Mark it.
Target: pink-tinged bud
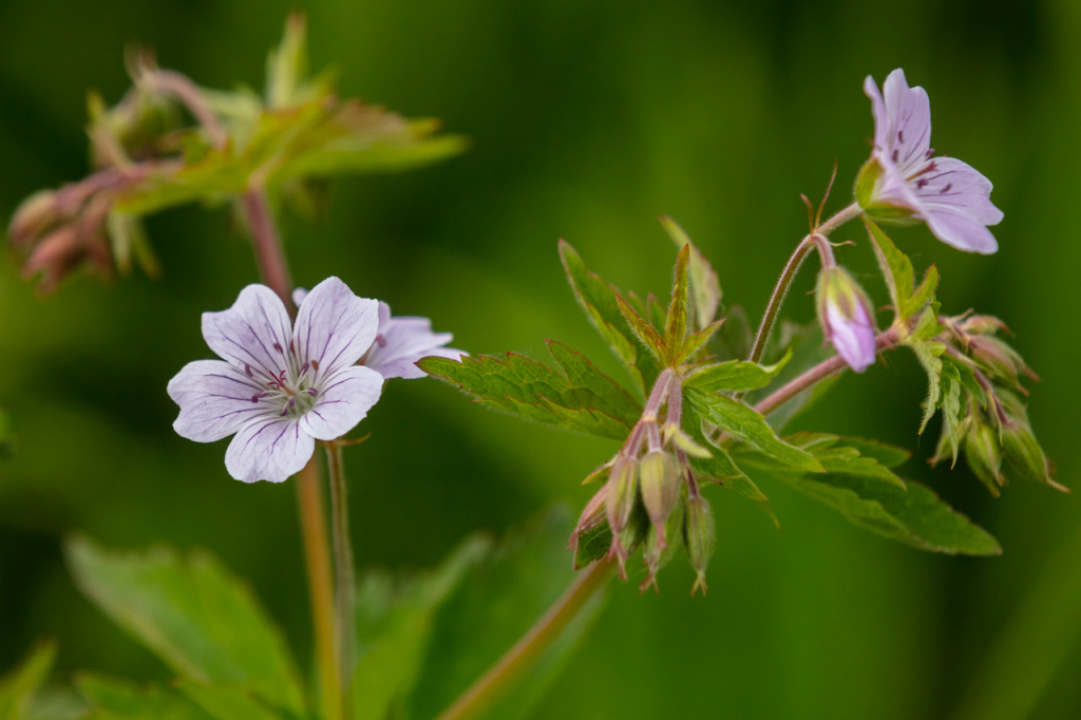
(660, 480)
(998, 358)
(35, 216)
(700, 537)
(657, 551)
(622, 493)
(983, 325)
(846, 317)
(593, 515)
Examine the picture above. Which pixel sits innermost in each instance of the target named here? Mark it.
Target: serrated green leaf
(198, 618)
(592, 545)
(705, 288)
(889, 456)
(720, 467)
(676, 326)
(646, 335)
(928, 352)
(734, 417)
(395, 618)
(895, 265)
(922, 295)
(736, 375)
(598, 299)
(907, 512)
(697, 341)
(582, 373)
(534, 391)
(498, 602)
(18, 686)
(113, 699)
(839, 457)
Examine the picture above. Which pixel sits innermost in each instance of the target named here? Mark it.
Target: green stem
(791, 269)
(520, 658)
(345, 596)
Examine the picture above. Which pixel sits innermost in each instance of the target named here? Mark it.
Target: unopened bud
(660, 480)
(983, 456)
(622, 493)
(34, 217)
(627, 540)
(593, 515)
(700, 537)
(846, 317)
(1022, 456)
(661, 545)
(999, 358)
(983, 325)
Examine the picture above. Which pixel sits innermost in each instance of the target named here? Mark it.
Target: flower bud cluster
(651, 497)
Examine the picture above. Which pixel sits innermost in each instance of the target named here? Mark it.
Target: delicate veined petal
(215, 400)
(946, 193)
(853, 338)
(402, 341)
(254, 332)
(344, 399)
(334, 327)
(269, 449)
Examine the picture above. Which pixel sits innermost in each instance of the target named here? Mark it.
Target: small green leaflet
(735, 375)
(18, 687)
(203, 622)
(929, 352)
(598, 299)
(900, 277)
(676, 326)
(580, 398)
(113, 699)
(705, 287)
(734, 417)
(720, 468)
(857, 486)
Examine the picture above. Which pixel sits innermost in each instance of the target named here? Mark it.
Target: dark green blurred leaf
(734, 417)
(488, 612)
(203, 622)
(735, 375)
(225, 702)
(18, 686)
(860, 491)
(587, 401)
(394, 627)
(113, 699)
(7, 433)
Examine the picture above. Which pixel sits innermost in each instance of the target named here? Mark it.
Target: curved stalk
(525, 652)
(815, 239)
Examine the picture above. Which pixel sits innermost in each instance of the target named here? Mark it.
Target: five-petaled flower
(847, 318)
(400, 342)
(903, 181)
(280, 386)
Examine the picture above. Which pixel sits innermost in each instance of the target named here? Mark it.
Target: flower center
(290, 392)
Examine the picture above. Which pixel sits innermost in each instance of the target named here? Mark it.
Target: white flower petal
(909, 126)
(344, 399)
(298, 296)
(961, 231)
(960, 188)
(269, 449)
(335, 327)
(215, 400)
(878, 111)
(402, 341)
(853, 338)
(254, 333)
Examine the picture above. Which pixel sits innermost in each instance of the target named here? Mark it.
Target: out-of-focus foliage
(587, 121)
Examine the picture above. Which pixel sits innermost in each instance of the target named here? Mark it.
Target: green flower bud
(700, 537)
(1022, 456)
(660, 479)
(984, 456)
(622, 493)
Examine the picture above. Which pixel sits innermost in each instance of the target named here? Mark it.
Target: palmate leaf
(735, 375)
(900, 277)
(191, 612)
(857, 486)
(320, 138)
(580, 398)
(740, 420)
(719, 468)
(598, 299)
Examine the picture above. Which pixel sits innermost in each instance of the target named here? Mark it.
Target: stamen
(304, 368)
(380, 341)
(946, 189)
(247, 369)
(291, 348)
(895, 154)
(930, 152)
(315, 364)
(278, 347)
(259, 396)
(921, 183)
(313, 392)
(900, 136)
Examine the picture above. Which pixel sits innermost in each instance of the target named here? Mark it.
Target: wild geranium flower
(904, 182)
(400, 343)
(846, 317)
(280, 386)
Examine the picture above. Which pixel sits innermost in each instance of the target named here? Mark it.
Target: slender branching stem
(816, 239)
(268, 246)
(186, 91)
(520, 658)
(883, 341)
(345, 595)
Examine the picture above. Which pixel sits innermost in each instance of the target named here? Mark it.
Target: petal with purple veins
(269, 449)
(254, 333)
(215, 400)
(909, 126)
(402, 341)
(334, 327)
(344, 399)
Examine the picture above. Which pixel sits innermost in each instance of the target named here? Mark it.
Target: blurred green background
(587, 120)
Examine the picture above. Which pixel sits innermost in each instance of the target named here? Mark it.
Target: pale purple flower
(280, 386)
(846, 318)
(400, 343)
(949, 195)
